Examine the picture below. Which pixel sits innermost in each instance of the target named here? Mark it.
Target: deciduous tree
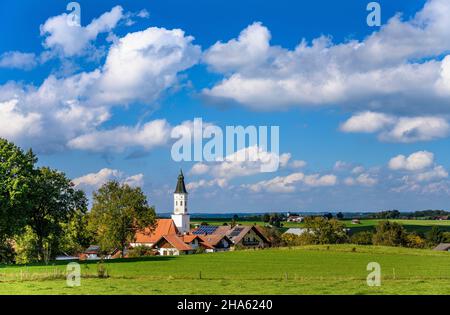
(54, 202)
(16, 169)
(389, 234)
(118, 212)
(362, 238)
(435, 235)
(325, 231)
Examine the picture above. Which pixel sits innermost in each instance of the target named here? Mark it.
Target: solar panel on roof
(205, 229)
(236, 232)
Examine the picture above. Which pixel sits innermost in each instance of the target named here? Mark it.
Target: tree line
(43, 215)
(321, 230)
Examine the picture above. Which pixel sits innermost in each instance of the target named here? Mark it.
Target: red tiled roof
(163, 227)
(175, 241)
(212, 239)
(262, 233)
(241, 231)
(189, 238)
(237, 233)
(222, 230)
(207, 245)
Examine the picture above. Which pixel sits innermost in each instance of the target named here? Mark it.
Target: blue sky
(363, 111)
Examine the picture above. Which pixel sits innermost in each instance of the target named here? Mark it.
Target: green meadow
(334, 269)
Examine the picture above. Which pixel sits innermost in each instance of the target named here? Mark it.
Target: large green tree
(390, 234)
(16, 169)
(77, 236)
(435, 235)
(325, 231)
(54, 203)
(318, 230)
(118, 212)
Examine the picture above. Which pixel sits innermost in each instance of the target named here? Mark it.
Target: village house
(149, 237)
(295, 231)
(191, 243)
(169, 245)
(216, 243)
(242, 236)
(443, 247)
(295, 218)
(91, 253)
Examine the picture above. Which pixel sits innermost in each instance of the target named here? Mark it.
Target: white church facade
(180, 215)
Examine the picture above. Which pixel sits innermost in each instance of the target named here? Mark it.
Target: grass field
(335, 269)
(410, 225)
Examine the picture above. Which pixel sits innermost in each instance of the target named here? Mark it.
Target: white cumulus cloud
(438, 172)
(364, 179)
(416, 161)
(367, 122)
(290, 183)
(69, 39)
(93, 181)
(249, 50)
(15, 124)
(151, 134)
(417, 129)
(18, 60)
(398, 129)
(141, 65)
(245, 162)
(69, 109)
(396, 69)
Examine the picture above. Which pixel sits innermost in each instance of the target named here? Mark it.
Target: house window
(181, 202)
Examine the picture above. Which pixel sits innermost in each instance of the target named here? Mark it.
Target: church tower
(180, 215)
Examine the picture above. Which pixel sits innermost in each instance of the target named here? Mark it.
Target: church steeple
(181, 188)
(180, 214)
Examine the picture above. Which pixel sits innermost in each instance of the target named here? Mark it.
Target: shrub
(239, 247)
(435, 235)
(140, 251)
(26, 245)
(7, 253)
(319, 230)
(362, 238)
(414, 240)
(102, 271)
(446, 237)
(389, 234)
(200, 250)
(389, 214)
(324, 231)
(294, 240)
(274, 236)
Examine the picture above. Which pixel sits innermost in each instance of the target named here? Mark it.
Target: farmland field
(334, 269)
(410, 225)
